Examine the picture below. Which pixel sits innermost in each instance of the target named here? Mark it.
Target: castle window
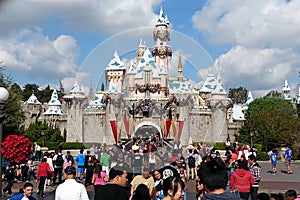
(147, 77)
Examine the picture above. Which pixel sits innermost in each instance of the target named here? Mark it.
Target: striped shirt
(255, 170)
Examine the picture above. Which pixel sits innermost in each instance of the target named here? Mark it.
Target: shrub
(65, 145)
(262, 156)
(220, 145)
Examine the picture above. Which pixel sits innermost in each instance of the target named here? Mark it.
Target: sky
(250, 43)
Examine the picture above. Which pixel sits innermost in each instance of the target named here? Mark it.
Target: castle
(142, 100)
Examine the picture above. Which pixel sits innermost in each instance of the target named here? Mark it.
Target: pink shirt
(100, 180)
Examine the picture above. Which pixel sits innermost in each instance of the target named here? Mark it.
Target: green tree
(274, 94)
(16, 89)
(274, 120)
(238, 95)
(45, 94)
(13, 115)
(28, 90)
(42, 132)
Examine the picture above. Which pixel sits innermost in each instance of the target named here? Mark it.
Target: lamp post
(251, 135)
(3, 98)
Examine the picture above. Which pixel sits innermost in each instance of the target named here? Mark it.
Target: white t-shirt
(71, 190)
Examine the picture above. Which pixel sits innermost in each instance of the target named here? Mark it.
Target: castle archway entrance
(147, 130)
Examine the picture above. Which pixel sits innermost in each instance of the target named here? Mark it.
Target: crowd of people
(116, 173)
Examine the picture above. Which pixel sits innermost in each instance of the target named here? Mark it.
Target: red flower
(16, 148)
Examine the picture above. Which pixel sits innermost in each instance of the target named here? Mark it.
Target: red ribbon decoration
(169, 122)
(126, 124)
(180, 125)
(114, 129)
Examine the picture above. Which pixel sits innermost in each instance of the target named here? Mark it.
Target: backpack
(59, 162)
(191, 161)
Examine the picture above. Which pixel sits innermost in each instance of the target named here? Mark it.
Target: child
(273, 159)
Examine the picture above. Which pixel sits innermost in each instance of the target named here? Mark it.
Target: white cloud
(253, 23)
(34, 55)
(257, 69)
(89, 16)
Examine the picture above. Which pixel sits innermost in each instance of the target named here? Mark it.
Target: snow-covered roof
(183, 87)
(147, 62)
(209, 83)
(96, 101)
(286, 86)
(53, 112)
(237, 112)
(54, 99)
(162, 20)
(219, 89)
(33, 100)
(54, 105)
(115, 63)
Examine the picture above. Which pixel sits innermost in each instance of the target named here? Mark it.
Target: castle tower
(161, 35)
(141, 50)
(115, 73)
(286, 91)
(298, 96)
(179, 69)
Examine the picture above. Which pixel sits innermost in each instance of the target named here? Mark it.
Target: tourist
(26, 194)
(152, 160)
(115, 189)
(213, 174)
(89, 171)
(242, 179)
(37, 150)
(99, 177)
(263, 196)
(50, 162)
(273, 159)
(80, 159)
(288, 158)
(200, 189)
(191, 163)
(255, 170)
(141, 193)
(290, 194)
(173, 188)
(31, 172)
(43, 170)
(105, 160)
(10, 178)
(158, 185)
(58, 161)
(145, 178)
(71, 189)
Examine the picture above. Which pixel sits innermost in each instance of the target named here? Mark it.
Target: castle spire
(298, 96)
(286, 91)
(179, 69)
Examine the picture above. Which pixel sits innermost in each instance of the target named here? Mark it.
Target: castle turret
(141, 49)
(298, 96)
(161, 35)
(115, 73)
(179, 69)
(286, 91)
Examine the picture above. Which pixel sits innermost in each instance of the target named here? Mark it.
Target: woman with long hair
(99, 177)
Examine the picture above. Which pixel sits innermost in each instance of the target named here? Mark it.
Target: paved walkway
(280, 182)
